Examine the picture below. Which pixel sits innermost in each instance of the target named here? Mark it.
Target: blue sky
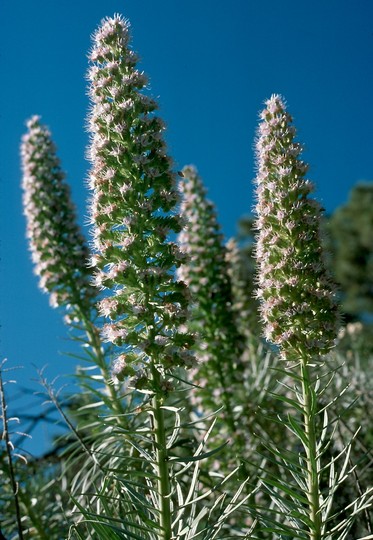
(211, 64)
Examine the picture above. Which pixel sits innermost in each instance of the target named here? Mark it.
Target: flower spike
(206, 272)
(133, 209)
(58, 249)
(297, 298)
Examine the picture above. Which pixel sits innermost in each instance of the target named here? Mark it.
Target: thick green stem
(164, 489)
(313, 478)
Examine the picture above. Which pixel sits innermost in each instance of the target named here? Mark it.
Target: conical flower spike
(206, 273)
(298, 307)
(133, 211)
(58, 249)
(243, 304)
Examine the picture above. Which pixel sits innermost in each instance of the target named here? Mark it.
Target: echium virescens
(206, 273)
(58, 249)
(133, 210)
(298, 305)
(243, 303)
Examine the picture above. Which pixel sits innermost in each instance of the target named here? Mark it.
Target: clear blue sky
(212, 63)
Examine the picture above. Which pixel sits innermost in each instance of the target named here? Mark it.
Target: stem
(39, 527)
(94, 341)
(164, 490)
(313, 492)
(95, 344)
(226, 399)
(8, 446)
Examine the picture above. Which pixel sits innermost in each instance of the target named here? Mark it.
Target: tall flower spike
(298, 307)
(206, 273)
(244, 305)
(132, 212)
(58, 249)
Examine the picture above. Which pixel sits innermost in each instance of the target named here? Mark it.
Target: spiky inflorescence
(133, 211)
(206, 273)
(58, 248)
(298, 307)
(243, 305)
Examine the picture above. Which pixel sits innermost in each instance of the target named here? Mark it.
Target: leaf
(198, 457)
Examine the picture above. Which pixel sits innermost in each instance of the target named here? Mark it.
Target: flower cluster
(243, 305)
(298, 306)
(58, 249)
(206, 273)
(134, 196)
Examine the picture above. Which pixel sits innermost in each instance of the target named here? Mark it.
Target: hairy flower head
(133, 208)
(244, 305)
(207, 274)
(58, 249)
(298, 307)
